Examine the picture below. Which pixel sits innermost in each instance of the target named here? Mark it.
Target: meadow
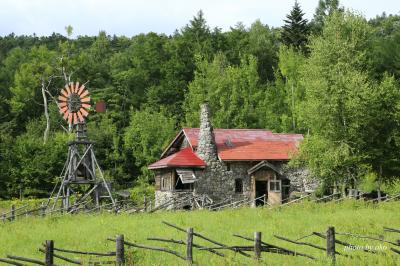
(90, 232)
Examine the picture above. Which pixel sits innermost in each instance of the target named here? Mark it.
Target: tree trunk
(46, 113)
(293, 118)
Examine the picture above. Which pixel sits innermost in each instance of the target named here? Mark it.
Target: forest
(334, 79)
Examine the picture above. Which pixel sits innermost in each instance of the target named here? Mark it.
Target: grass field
(89, 232)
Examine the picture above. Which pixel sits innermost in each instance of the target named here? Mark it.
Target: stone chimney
(206, 149)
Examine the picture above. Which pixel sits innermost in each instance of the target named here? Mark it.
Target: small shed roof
(183, 158)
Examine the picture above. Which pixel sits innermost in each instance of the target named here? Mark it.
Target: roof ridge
(238, 129)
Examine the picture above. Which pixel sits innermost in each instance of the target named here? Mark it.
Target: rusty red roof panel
(250, 144)
(257, 151)
(183, 158)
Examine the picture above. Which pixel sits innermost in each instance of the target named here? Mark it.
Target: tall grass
(89, 232)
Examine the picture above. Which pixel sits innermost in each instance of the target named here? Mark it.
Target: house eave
(175, 166)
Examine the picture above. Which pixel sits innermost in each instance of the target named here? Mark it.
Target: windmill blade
(86, 92)
(68, 90)
(85, 105)
(76, 87)
(62, 98)
(70, 118)
(64, 92)
(80, 116)
(66, 114)
(85, 100)
(81, 89)
(63, 109)
(62, 104)
(75, 121)
(84, 112)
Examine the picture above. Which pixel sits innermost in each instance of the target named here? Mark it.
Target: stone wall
(219, 183)
(300, 180)
(162, 197)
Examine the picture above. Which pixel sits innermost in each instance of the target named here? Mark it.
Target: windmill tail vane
(74, 103)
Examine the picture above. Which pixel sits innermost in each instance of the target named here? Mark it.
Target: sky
(132, 17)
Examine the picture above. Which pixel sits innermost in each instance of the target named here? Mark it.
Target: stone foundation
(162, 197)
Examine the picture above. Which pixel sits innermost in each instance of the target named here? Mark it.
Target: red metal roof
(234, 145)
(183, 158)
(249, 144)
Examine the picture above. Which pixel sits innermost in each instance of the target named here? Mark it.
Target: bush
(142, 188)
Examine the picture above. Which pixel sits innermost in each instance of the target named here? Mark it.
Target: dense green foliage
(339, 86)
(90, 233)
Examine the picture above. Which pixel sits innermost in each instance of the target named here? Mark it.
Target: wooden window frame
(275, 181)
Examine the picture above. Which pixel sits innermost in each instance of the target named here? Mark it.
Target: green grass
(89, 232)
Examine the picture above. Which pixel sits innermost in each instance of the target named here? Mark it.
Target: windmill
(82, 180)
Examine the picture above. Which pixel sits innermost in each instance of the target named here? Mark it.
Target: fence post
(49, 253)
(145, 203)
(189, 245)
(330, 242)
(257, 245)
(12, 213)
(120, 250)
(42, 210)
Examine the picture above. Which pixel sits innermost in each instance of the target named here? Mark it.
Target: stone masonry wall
(300, 180)
(206, 149)
(215, 180)
(162, 197)
(219, 183)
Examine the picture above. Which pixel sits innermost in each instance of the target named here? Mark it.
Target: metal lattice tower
(82, 180)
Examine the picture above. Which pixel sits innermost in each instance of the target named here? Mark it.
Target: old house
(228, 163)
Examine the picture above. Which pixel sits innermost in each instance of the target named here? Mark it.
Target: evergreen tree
(295, 31)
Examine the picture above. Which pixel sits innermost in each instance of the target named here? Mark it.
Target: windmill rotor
(74, 103)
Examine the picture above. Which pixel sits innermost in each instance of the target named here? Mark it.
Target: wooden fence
(195, 201)
(253, 251)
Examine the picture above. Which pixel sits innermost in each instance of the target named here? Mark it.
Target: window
(238, 185)
(162, 183)
(228, 166)
(275, 185)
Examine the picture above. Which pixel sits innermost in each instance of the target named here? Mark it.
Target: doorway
(285, 190)
(261, 189)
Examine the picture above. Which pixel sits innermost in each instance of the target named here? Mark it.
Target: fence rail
(254, 251)
(191, 200)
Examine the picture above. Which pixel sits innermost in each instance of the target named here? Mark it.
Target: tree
(26, 93)
(146, 136)
(263, 45)
(352, 119)
(232, 92)
(324, 9)
(295, 31)
(31, 166)
(290, 63)
(385, 52)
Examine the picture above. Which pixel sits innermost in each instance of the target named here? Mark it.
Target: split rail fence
(194, 201)
(251, 251)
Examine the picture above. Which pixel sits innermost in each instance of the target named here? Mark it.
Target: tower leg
(97, 198)
(67, 203)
